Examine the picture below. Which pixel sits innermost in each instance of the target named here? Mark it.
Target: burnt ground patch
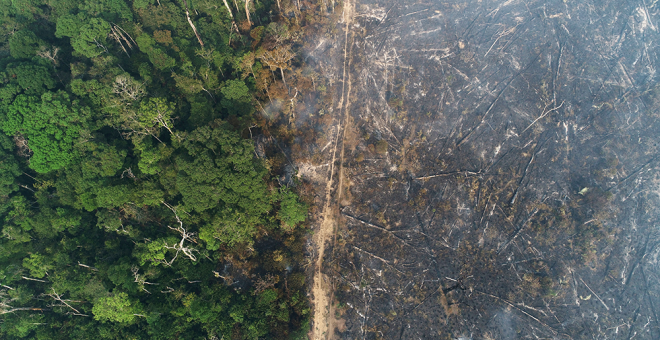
(501, 177)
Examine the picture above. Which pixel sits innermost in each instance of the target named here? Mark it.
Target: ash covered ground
(498, 176)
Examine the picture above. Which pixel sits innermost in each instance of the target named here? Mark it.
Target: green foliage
(9, 169)
(122, 192)
(150, 155)
(32, 79)
(222, 164)
(88, 37)
(51, 127)
(24, 44)
(112, 196)
(48, 222)
(101, 160)
(292, 211)
(21, 326)
(156, 112)
(9, 92)
(116, 308)
(68, 26)
(157, 55)
(142, 4)
(188, 85)
(38, 265)
(111, 10)
(237, 98)
(219, 171)
(156, 252)
(235, 90)
(92, 38)
(108, 220)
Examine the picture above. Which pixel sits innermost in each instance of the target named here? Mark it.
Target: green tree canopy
(237, 98)
(111, 10)
(31, 78)
(219, 171)
(292, 211)
(9, 169)
(88, 36)
(51, 126)
(157, 55)
(126, 206)
(116, 308)
(24, 44)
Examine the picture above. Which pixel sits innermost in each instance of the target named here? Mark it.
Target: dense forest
(134, 202)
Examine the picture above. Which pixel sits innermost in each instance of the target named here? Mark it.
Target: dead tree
(162, 117)
(230, 14)
(6, 308)
(31, 279)
(247, 12)
(117, 33)
(233, 22)
(520, 309)
(180, 247)
(193, 25)
(64, 303)
(264, 283)
(278, 58)
(88, 267)
(141, 280)
(517, 233)
(168, 290)
(98, 44)
(543, 114)
(377, 227)
(23, 149)
(49, 53)
(128, 89)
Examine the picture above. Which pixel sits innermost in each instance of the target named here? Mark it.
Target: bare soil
(323, 321)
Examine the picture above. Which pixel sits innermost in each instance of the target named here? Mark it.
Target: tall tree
(277, 58)
(88, 36)
(24, 44)
(51, 126)
(117, 308)
(219, 171)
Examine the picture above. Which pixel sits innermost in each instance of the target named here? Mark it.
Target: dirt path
(323, 319)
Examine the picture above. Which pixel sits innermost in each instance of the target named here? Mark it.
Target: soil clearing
(323, 321)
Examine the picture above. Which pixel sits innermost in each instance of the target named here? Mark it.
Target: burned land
(487, 170)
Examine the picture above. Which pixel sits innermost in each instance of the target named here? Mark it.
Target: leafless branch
(596, 295)
(86, 266)
(49, 53)
(193, 25)
(180, 247)
(58, 298)
(371, 225)
(31, 279)
(386, 262)
(522, 311)
(517, 233)
(545, 113)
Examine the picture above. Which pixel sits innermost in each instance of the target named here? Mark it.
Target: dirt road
(324, 320)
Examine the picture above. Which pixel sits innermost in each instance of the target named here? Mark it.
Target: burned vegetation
(498, 176)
